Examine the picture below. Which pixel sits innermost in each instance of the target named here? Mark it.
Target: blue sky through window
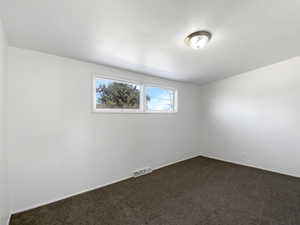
(101, 83)
(160, 99)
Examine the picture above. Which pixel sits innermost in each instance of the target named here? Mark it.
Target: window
(123, 96)
(117, 96)
(160, 99)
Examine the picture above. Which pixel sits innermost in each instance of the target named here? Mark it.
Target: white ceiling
(148, 35)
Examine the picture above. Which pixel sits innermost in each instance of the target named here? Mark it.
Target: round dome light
(198, 39)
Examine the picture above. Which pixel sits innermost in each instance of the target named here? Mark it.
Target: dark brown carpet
(199, 191)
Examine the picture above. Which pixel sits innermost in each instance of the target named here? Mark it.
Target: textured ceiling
(148, 36)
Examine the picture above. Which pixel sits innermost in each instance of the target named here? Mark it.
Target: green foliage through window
(117, 95)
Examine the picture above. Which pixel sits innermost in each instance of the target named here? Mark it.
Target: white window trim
(143, 86)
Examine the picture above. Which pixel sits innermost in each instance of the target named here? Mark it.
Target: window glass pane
(160, 99)
(111, 94)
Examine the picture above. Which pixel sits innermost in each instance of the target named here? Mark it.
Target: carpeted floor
(199, 191)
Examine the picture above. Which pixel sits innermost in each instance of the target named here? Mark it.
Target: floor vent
(142, 172)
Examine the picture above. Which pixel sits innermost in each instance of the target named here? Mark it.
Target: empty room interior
(162, 112)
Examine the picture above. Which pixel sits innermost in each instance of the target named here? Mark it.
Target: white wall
(58, 147)
(4, 205)
(254, 118)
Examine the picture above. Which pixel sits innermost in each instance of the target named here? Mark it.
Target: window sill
(131, 112)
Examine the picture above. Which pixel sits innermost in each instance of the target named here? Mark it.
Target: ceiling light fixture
(198, 39)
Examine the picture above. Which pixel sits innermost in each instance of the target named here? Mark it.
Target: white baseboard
(250, 165)
(177, 161)
(96, 187)
(155, 168)
(8, 219)
(68, 196)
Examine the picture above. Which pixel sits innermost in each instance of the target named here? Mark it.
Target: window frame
(143, 85)
(149, 85)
